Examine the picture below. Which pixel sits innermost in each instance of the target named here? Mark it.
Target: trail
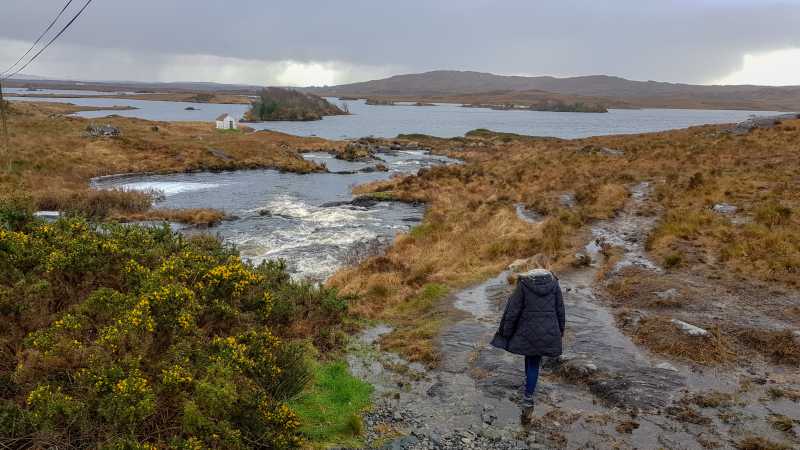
(605, 391)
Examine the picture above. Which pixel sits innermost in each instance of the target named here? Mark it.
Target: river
(283, 215)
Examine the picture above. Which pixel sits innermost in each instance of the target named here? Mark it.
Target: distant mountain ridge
(442, 83)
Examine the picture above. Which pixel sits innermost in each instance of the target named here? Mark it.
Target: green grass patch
(330, 409)
(421, 231)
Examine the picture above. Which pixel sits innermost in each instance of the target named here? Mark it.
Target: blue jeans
(531, 373)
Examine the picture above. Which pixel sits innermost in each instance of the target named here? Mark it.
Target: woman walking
(533, 324)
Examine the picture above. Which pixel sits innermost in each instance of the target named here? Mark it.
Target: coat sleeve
(562, 317)
(511, 315)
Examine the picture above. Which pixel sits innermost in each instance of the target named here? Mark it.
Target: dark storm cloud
(692, 41)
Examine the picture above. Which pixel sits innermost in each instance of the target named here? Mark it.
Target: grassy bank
(52, 159)
(471, 231)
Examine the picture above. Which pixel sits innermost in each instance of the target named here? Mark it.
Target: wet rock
(669, 294)
(265, 213)
(527, 215)
(666, 366)
(102, 131)
(638, 390)
(219, 153)
(630, 320)
(361, 202)
(190, 108)
(597, 150)
(567, 199)
(725, 208)
(404, 443)
(689, 329)
(375, 168)
(572, 366)
(581, 259)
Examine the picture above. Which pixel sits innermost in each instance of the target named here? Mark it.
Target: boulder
(669, 294)
(567, 199)
(219, 153)
(102, 131)
(725, 208)
(581, 259)
(689, 329)
(597, 150)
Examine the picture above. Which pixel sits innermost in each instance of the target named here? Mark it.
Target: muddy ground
(619, 384)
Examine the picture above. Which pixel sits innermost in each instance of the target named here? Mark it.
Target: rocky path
(604, 392)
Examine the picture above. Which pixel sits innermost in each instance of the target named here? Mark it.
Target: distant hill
(486, 88)
(612, 90)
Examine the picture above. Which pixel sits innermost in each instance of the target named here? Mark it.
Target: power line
(33, 58)
(47, 30)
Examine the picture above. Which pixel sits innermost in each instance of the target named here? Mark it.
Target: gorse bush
(129, 337)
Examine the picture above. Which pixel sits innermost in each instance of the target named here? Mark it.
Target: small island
(549, 105)
(287, 104)
(379, 102)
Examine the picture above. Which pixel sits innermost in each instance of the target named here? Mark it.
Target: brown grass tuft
(92, 203)
(780, 346)
(661, 336)
(203, 217)
(760, 443)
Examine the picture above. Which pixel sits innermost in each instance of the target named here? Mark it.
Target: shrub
(15, 211)
(124, 336)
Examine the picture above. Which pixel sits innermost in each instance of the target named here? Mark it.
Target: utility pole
(6, 147)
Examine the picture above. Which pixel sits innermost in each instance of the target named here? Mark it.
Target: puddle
(627, 231)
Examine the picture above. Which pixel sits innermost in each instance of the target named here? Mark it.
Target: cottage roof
(223, 116)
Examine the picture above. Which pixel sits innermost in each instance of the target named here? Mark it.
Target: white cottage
(227, 122)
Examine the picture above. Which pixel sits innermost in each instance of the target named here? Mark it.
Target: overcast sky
(302, 42)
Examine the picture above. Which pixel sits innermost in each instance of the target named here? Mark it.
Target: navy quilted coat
(533, 322)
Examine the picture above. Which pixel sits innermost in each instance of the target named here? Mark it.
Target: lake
(443, 120)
